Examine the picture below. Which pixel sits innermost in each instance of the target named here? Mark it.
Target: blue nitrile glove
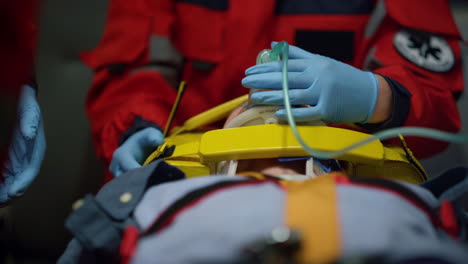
(337, 92)
(26, 150)
(133, 152)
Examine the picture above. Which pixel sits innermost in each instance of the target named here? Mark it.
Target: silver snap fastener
(126, 197)
(77, 204)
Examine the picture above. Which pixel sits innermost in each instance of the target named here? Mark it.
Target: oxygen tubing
(282, 50)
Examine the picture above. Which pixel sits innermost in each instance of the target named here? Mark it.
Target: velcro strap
(99, 222)
(95, 229)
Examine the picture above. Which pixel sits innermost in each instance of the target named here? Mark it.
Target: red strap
(341, 179)
(448, 218)
(128, 244)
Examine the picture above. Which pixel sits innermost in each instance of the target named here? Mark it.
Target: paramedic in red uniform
(22, 142)
(383, 64)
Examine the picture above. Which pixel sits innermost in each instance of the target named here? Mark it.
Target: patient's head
(260, 115)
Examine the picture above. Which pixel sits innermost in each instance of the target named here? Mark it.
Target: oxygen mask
(264, 56)
(251, 114)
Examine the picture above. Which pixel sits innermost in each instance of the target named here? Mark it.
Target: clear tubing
(283, 49)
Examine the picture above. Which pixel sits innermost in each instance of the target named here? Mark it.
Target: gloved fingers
(29, 120)
(4, 198)
(17, 155)
(150, 137)
(122, 163)
(36, 150)
(301, 114)
(128, 164)
(29, 113)
(13, 166)
(117, 172)
(296, 52)
(114, 167)
(39, 147)
(298, 65)
(31, 166)
(273, 80)
(21, 182)
(133, 151)
(296, 97)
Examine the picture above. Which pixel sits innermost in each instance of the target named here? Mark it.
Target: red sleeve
(123, 87)
(432, 101)
(17, 41)
(112, 111)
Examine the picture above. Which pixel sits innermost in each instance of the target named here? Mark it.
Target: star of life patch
(426, 50)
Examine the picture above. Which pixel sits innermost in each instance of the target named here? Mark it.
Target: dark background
(32, 228)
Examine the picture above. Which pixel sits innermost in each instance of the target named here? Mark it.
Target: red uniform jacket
(148, 46)
(17, 40)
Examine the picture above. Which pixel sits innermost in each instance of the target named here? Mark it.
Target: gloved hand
(336, 92)
(26, 150)
(133, 152)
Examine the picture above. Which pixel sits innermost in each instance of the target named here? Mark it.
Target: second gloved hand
(336, 92)
(26, 150)
(133, 152)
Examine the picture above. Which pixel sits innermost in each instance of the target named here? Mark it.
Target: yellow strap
(411, 158)
(156, 153)
(212, 115)
(180, 93)
(311, 208)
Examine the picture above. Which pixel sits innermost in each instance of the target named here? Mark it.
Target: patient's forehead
(245, 115)
(235, 113)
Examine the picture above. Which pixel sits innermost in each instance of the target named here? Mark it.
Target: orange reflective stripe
(311, 209)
